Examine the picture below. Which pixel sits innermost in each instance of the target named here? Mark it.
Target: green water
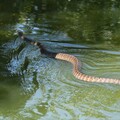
(36, 87)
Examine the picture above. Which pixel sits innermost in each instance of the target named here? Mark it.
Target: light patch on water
(36, 87)
(48, 89)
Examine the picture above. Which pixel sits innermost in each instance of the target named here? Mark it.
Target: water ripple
(53, 92)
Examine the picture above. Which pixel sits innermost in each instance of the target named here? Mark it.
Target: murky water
(36, 87)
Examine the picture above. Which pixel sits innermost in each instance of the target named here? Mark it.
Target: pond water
(36, 87)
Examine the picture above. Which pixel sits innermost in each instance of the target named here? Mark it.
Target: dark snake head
(20, 33)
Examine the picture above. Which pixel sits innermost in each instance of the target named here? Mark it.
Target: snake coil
(72, 59)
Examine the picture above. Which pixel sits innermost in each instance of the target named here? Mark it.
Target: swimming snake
(70, 58)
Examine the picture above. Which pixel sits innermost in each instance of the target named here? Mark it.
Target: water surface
(36, 87)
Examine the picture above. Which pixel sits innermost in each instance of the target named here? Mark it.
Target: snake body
(79, 75)
(72, 59)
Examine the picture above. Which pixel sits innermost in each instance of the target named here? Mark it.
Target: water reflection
(33, 86)
(49, 88)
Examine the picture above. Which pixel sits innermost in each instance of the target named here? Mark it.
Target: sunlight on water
(49, 90)
(36, 87)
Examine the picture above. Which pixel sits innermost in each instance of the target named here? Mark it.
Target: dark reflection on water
(33, 86)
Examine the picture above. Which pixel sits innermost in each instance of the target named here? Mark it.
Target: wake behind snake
(72, 59)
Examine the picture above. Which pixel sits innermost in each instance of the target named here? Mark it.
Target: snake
(69, 58)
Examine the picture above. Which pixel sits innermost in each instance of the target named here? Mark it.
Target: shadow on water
(34, 86)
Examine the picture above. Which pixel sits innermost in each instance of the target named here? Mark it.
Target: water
(36, 87)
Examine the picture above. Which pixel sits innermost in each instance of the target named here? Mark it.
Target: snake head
(20, 33)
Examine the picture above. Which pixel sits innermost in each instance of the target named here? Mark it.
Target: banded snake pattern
(72, 59)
